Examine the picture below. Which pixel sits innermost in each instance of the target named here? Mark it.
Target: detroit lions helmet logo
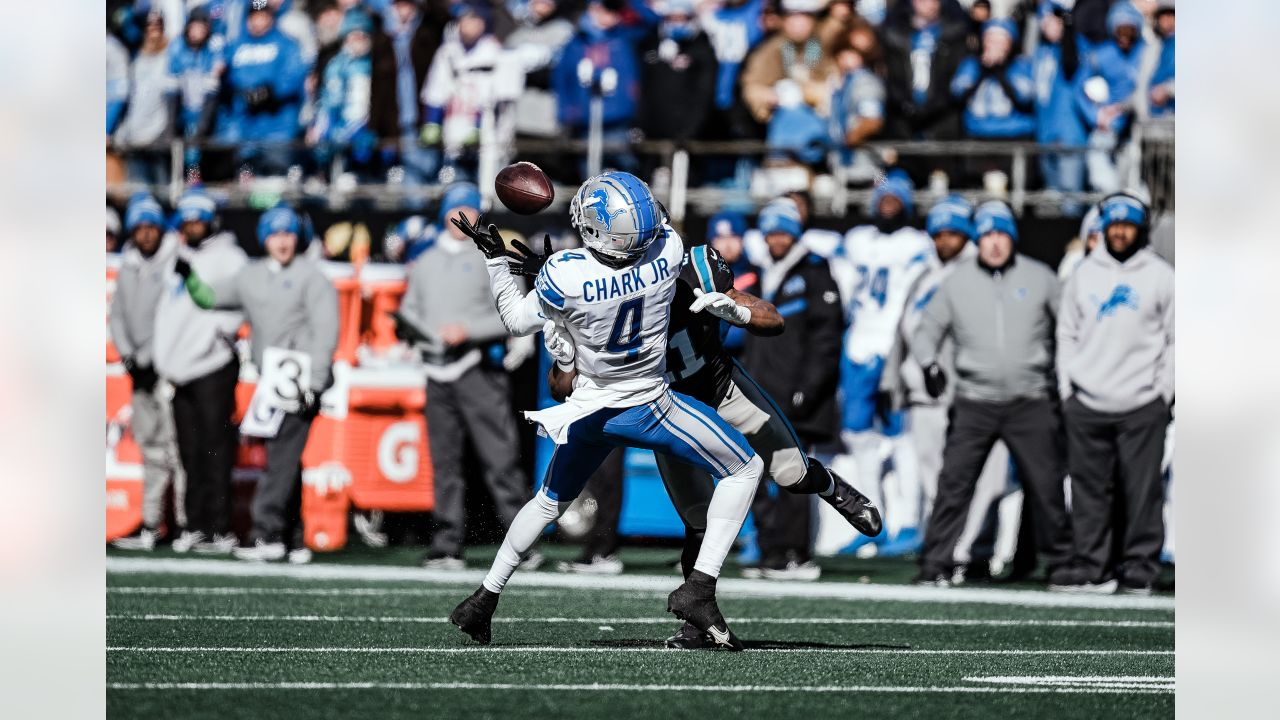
(599, 202)
(1121, 296)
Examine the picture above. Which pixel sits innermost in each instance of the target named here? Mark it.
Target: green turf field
(334, 639)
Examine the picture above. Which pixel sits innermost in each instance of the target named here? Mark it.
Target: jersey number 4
(625, 336)
(877, 279)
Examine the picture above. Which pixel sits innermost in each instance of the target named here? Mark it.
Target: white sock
(729, 505)
(525, 530)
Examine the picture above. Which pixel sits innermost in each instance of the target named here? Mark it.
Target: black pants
(202, 412)
(606, 487)
(783, 523)
(278, 500)
(476, 406)
(1030, 428)
(1110, 452)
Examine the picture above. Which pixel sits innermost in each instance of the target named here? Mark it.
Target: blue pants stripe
(717, 432)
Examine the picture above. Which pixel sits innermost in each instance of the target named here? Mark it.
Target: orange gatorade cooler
(124, 459)
(383, 286)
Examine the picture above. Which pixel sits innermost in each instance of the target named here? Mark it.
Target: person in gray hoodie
(195, 351)
(1115, 372)
(144, 267)
(468, 391)
(1000, 310)
(289, 304)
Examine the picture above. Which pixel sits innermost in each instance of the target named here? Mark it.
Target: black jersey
(697, 364)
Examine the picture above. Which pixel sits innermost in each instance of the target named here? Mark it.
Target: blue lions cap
(1122, 208)
(1121, 14)
(950, 213)
(355, 20)
(898, 184)
(280, 218)
(459, 194)
(143, 210)
(779, 217)
(994, 216)
(726, 222)
(1004, 25)
(196, 206)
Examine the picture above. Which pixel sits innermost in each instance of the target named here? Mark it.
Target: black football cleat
(855, 507)
(695, 603)
(689, 637)
(474, 616)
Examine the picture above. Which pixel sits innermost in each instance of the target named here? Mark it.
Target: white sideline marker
(605, 650)
(727, 587)
(930, 622)
(603, 687)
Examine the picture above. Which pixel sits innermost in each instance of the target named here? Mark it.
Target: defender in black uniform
(698, 365)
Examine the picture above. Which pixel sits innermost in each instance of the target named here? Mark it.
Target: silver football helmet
(617, 216)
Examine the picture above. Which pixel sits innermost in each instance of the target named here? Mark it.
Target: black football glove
(935, 380)
(182, 267)
(490, 242)
(143, 377)
(527, 262)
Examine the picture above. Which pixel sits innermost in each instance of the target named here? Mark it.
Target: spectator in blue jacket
(996, 87)
(857, 107)
(734, 28)
(196, 64)
(117, 82)
(608, 36)
(264, 82)
(342, 113)
(1056, 63)
(1104, 92)
(1160, 92)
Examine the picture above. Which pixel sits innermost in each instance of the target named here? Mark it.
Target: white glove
(722, 306)
(558, 344)
(519, 349)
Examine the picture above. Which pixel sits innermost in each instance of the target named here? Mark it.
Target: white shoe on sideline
(261, 552)
(187, 540)
(144, 539)
(300, 556)
(533, 562)
(221, 544)
(598, 565)
(793, 570)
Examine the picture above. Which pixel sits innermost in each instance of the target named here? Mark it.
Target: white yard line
(327, 592)
(603, 687)
(727, 587)
(151, 617)
(602, 650)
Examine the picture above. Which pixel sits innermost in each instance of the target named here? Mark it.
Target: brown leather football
(524, 188)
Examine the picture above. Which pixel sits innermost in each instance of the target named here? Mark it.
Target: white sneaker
(221, 544)
(445, 563)
(750, 572)
(144, 539)
(599, 565)
(187, 540)
(300, 556)
(261, 552)
(805, 572)
(533, 562)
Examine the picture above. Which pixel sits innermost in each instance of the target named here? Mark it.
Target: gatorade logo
(398, 452)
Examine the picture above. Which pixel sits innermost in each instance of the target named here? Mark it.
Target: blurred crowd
(405, 90)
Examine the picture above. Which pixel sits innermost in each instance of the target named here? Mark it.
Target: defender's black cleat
(474, 616)
(695, 603)
(689, 637)
(857, 508)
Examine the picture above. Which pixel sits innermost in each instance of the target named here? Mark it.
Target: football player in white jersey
(880, 264)
(612, 300)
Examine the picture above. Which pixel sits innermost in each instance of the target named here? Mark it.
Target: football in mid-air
(524, 188)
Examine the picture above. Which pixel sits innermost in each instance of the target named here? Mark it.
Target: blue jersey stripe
(549, 295)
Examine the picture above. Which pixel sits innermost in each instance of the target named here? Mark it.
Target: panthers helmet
(617, 216)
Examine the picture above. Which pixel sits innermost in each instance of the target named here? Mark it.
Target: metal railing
(1149, 164)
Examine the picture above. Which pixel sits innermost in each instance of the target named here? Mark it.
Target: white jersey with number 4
(617, 318)
(875, 279)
